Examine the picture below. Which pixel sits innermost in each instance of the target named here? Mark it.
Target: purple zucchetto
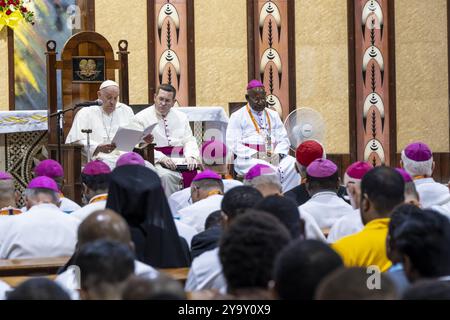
(255, 84)
(356, 171)
(43, 182)
(259, 170)
(321, 168)
(405, 175)
(96, 167)
(418, 151)
(130, 158)
(207, 174)
(49, 168)
(5, 176)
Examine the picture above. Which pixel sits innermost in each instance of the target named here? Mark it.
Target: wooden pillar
(271, 50)
(171, 48)
(373, 133)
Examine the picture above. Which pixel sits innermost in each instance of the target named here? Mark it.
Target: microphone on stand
(97, 102)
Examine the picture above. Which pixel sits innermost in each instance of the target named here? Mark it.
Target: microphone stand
(59, 130)
(88, 132)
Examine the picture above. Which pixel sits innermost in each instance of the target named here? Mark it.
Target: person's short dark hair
(98, 182)
(167, 87)
(301, 266)
(428, 290)
(328, 183)
(160, 288)
(352, 284)
(286, 211)
(208, 184)
(238, 199)
(384, 187)
(248, 250)
(104, 262)
(38, 289)
(424, 238)
(213, 220)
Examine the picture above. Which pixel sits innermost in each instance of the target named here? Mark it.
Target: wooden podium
(93, 54)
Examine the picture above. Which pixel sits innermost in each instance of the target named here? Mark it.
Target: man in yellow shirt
(382, 189)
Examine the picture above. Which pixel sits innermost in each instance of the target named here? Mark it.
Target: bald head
(104, 224)
(7, 194)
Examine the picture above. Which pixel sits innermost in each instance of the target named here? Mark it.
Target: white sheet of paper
(126, 139)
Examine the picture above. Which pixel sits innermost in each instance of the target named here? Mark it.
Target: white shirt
(206, 273)
(312, 230)
(195, 215)
(4, 287)
(326, 208)
(345, 226)
(103, 126)
(67, 205)
(91, 207)
(431, 193)
(241, 131)
(185, 231)
(443, 209)
(181, 199)
(69, 282)
(42, 231)
(172, 130)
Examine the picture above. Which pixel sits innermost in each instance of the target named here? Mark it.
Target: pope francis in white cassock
(175, 143)
(256, 135)
(104, 121)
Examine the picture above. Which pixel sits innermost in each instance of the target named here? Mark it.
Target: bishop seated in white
(256, 135)
(173, 138)
(104, 121)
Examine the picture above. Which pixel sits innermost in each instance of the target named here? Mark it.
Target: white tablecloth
(23, 121)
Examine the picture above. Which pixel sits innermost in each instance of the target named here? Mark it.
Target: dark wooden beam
(251, 39)
(392, 84)
(191, 51)
(151, 48)
(353, 142)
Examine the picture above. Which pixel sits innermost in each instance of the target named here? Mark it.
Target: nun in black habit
(135, 192)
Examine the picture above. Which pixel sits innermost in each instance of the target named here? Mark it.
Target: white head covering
(108, 83)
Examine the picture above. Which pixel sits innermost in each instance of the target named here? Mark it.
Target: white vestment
(4, 288)
(326, 208)
(206, 273)
(43, 231)
(312, 230)
(443, 209)
(104, 128)
(431, 193)
(68, 279)
(91, 207)
(345, 226)
(67, 205)
(242, 135)
(185, 231)
(172, 130)
(181, 199)
(195, 215)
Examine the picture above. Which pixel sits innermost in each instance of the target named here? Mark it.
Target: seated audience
(38, 289)
(159, 288)
(8, 195)
(208, 239)
(263, 178)
(428, 290)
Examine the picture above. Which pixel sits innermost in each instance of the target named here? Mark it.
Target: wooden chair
(232, 107)
(83, 45)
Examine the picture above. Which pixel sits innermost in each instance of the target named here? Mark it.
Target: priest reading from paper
(104, 121)
(173, 137)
